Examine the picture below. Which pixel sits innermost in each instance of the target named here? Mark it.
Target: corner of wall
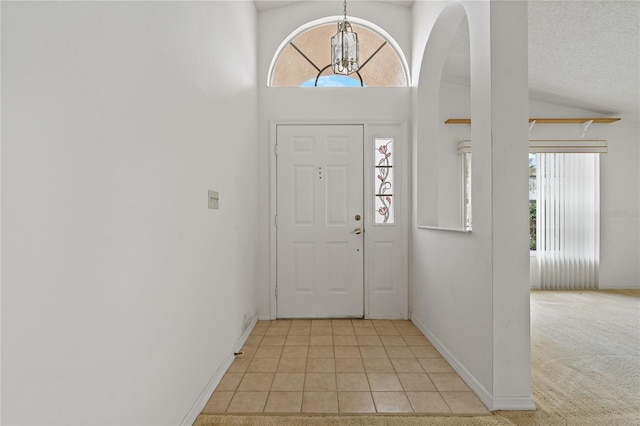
(206, 393)
(473, 383)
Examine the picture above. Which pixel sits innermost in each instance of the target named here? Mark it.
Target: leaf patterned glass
(383, 181)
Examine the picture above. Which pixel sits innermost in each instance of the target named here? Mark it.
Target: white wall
(470, 290)
(306, 105)
(121, 293)
(619, 186)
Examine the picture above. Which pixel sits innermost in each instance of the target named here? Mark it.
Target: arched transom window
(304, 59)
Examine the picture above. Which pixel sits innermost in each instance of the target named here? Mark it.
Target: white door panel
(319, 193)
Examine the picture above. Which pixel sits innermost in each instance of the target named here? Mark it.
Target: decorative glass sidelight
(384, 185)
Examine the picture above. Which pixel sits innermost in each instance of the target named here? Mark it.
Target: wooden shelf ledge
(547, 120)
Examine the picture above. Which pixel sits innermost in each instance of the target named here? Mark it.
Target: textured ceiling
(587, 52)
(270, 4)
(584, 54)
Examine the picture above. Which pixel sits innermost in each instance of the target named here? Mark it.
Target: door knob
(357, 231)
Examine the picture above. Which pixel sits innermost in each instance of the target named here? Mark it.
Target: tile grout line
(252, 358)
(306, 369)
(398, 377)
(413, 408)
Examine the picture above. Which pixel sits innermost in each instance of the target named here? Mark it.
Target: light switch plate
(213, 199)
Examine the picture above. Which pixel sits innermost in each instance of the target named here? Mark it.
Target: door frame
(372, 129)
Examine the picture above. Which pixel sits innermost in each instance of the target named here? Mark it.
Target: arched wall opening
(441, 171)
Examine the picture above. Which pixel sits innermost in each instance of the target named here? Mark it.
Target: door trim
(402, 209)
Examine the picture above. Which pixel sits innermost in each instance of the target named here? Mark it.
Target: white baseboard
(387, 317)
(202, 400)
(618, 287)
(513, 403)
(482, 393)
(490, 401)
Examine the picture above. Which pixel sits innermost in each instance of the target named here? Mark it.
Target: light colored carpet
(585, 359)
(585, 370)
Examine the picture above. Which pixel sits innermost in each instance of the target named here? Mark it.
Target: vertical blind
(568, 220)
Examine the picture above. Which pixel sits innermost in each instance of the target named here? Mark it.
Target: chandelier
(344, 47)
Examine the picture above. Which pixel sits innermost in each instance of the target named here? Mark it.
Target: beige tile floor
(341, 367)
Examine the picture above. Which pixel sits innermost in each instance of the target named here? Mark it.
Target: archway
(440, 171)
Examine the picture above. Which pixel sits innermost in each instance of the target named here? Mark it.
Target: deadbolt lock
(358, 217)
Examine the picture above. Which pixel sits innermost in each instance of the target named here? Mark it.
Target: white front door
(320, 208)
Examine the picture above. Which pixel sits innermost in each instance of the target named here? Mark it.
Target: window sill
(439, 228)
